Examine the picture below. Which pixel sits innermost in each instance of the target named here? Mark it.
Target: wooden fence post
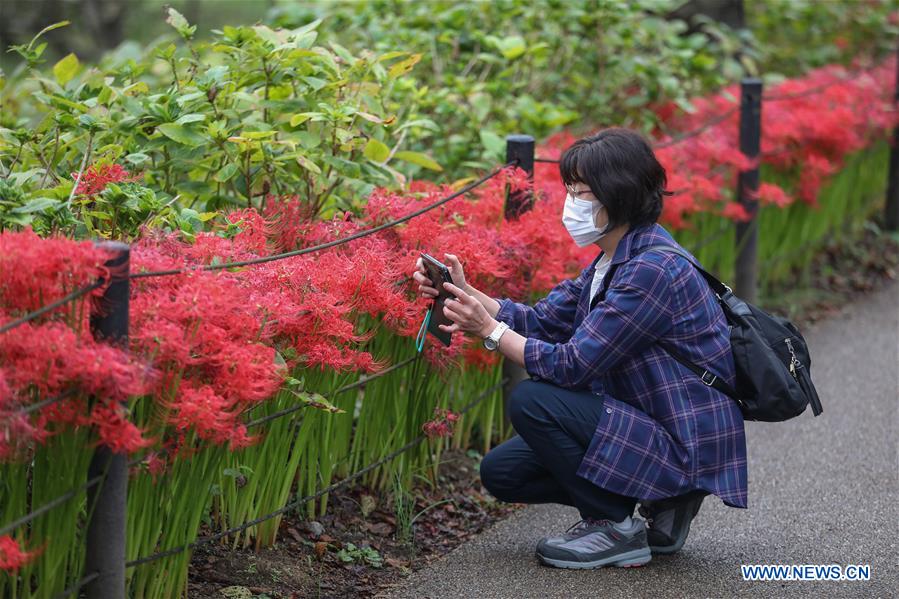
(891, 211)
(106, 502)
(746, 266)
(520, 150)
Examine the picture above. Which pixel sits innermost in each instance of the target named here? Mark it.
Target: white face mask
(579, 217)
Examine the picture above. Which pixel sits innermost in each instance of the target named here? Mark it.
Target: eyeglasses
(577, 193)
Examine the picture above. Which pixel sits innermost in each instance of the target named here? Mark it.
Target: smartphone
(438, 273)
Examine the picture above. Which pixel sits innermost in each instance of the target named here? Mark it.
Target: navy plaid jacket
(662, 432)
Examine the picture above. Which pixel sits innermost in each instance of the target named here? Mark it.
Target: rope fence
(333, 243)
(7, 528)
(745, 238)
(303, 500)
(360, 383)
(253, 423)
(77, 586)
(50, 307)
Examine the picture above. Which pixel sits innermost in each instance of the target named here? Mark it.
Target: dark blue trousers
(539, 465)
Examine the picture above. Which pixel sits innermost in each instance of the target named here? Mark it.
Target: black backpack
(771, 357)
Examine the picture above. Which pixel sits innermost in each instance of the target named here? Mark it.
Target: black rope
(50, 505)
(818, 88)
(361, 382)
(47, 402)
(329, 244)
(298, 502)
(725, 227)
(675, 140)
(40, 311)
(78, 585)
(693, 133)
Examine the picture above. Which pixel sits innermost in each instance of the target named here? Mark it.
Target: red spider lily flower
(36, 271)
(442, 424)
(736, 212)
(773, 194)
(12, 557)
(477, 357)
(115, 431)
(96, 177)
(153, 462)
(15, 429)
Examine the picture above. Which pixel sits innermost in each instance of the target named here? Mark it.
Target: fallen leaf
(380, 528)
(320, 549)
(395, 563)
(293, 532)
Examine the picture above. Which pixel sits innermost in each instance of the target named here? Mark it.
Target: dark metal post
(106, 502)
(520, 150)
(891, 212)
(747, 189)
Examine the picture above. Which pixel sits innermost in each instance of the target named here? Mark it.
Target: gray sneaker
(668, 520)
(595, 543)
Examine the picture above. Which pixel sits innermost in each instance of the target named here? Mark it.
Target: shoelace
(585, 522)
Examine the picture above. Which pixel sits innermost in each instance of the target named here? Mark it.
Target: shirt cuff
(506, 312)
(532, 353)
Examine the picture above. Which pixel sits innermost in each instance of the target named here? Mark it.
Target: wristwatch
(491, 342)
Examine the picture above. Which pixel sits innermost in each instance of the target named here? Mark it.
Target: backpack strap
(721, 290)
(717, 286)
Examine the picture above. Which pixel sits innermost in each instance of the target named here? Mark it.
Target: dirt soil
(838, 274)
(308, 561)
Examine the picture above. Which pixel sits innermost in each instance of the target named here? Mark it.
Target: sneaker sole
(674, 547)
(630, 559)
(679, 543)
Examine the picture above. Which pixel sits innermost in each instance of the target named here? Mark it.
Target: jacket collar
(639, 238)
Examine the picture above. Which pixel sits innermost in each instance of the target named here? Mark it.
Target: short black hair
(620, 168)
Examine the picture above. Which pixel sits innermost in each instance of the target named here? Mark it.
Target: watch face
(490, 344)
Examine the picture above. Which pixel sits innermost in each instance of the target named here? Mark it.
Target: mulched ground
(838, 274)
(357, 551)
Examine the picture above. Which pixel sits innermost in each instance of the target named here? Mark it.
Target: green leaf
(53, 99)
(182, 134)
(315, 83)
(308, 165)
(177, 20)
(404, 66)
(225, 173)
(419, 159)
(46, 29)
(493, 143)
(66, 69)
(36, 205)
(257, 134)
(137, 158)
(193, 117)
(302, 117)
(376, 150)
(512, 47)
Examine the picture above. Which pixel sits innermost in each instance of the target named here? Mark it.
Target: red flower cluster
(211, 342)
(12, 557)
(810, 133)
(96, 177)
(442, 424)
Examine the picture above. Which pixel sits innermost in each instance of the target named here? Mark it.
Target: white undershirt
(601, 268)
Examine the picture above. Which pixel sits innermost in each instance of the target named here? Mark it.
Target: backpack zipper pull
(794, 361)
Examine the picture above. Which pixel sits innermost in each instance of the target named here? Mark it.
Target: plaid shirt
(662, 432)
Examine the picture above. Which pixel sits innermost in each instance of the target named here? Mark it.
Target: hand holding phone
(438, 273)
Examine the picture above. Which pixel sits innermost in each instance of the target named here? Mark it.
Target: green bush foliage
(207, 125)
